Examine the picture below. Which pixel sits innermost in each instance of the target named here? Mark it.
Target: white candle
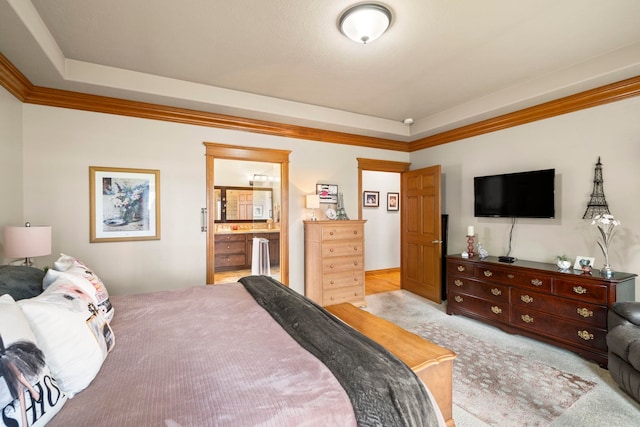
(470, 231)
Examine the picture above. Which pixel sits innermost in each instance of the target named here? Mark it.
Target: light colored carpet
(591, 398)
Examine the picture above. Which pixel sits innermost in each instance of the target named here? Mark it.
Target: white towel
(260, 264)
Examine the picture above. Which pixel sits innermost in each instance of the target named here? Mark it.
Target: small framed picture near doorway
(393, 201)
(370, 199)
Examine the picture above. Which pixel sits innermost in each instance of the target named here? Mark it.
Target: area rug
(502, 388)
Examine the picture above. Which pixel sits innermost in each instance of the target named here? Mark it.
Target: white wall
(571, 144)
(60, 145)
(382, 229)
(10, 163)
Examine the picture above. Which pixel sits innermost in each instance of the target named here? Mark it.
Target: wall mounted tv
(515, 195)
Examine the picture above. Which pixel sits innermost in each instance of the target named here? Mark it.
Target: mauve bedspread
(206, 356)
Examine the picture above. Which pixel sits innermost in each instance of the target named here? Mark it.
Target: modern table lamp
(313, 203)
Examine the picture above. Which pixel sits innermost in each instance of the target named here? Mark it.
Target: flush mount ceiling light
(363, 23)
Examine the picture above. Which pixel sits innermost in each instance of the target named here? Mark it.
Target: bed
(253, 353)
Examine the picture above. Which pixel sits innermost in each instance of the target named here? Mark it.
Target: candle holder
(470, 246)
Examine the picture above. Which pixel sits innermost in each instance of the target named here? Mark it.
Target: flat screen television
(515, 195)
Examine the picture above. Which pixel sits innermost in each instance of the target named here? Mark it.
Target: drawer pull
(355, 263)
(458, 298)
(536, 282)
(510, 276)
(526, 318)
(496, 310)
(331, 233)
(579, 290)
(496, 291)
(458, 282)
(461, 268)
(355, 232)
(585, 335)
(585, 312)
(488, 273)
(355, 248)
(331, 266)
(526, 299)
(331, 250)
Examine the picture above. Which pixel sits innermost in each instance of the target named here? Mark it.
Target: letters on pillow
(29, 396)
(84, 277)
(73, 334)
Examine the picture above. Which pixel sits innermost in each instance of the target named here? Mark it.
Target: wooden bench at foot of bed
(432, 363)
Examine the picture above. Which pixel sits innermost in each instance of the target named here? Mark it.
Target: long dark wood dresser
(566, 308)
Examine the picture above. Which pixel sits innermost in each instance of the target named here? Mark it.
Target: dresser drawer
(494, 310)
(460, 268)
(544, 324)
(479, 289)
(334, 265)
(339, 295)
(590, 314)
(342, 279)
(590, 292)
(510, 277)
(347, 248)
(353, 231)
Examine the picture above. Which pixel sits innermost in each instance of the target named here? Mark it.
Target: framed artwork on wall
(393, 201)
(124, 204)
(328, 193)
(371, 199)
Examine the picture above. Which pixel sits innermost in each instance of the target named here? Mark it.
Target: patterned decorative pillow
(29, 396)
(73, 334)
(84, 277)
(20, 281)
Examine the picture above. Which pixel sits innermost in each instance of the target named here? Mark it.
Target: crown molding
(591, 98)
(20, 87)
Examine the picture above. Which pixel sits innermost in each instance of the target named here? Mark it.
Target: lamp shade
(363, 23)
(313, 201)
(27, 242)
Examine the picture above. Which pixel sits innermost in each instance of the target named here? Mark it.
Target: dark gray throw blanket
(382, 389)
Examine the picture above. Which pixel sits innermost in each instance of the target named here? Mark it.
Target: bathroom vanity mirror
(238, 204)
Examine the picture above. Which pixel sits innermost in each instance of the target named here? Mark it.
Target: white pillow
(82, 276)
(19, 347)
(73, 334)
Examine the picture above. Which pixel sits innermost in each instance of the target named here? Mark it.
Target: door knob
(436, 241)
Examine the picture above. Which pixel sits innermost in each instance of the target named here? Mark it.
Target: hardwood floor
(375, 282)
(378, 281)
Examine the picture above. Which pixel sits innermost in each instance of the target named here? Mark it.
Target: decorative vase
(607, 272)
(563, 264)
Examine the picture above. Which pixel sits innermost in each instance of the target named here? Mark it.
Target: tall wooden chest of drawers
(334, 261)
(565, 308)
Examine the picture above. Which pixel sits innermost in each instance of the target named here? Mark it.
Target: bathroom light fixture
(363, 23)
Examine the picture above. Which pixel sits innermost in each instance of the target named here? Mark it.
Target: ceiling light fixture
(363, 23)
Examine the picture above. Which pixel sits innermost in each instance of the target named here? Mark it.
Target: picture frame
(579, 258)
(328, 193)
(371, 199)
(393, 201)
(124, 204)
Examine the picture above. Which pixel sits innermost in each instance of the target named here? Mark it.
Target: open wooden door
(421, 239)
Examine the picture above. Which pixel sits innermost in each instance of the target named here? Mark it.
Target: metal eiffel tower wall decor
(597, 204)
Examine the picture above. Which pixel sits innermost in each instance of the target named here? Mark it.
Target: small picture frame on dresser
(582, 261)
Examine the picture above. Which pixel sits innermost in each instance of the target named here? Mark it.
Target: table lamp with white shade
(27, 242)
(312, 202)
